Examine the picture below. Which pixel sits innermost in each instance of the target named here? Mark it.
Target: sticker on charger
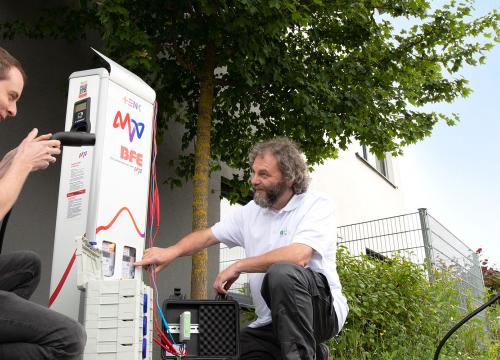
(128, 259)
(179, 348)
(108, 258)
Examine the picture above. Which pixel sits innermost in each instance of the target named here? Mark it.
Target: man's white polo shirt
(309, 219)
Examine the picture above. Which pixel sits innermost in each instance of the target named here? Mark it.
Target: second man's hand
(161, 257)
(188, 245)
(226, 278)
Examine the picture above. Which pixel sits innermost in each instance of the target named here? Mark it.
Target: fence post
(426, 237)
(477, 269)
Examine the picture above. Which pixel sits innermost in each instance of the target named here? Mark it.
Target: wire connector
(185, 326)
(89, 262)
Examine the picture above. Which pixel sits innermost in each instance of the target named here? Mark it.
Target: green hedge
(395, 313)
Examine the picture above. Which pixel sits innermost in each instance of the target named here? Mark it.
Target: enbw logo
(82, 154)
(133, 126)
(132, 103)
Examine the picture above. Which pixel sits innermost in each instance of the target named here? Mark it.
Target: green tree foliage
(320, 72)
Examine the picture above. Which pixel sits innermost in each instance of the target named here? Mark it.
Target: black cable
(2, 229)
(73, 138)
(463, 321)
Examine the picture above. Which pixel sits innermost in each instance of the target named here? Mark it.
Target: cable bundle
(164, 342)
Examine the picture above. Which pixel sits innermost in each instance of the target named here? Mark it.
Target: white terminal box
(118, 320)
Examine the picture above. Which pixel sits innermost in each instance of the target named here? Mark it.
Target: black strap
(2, 229)
(220, 297)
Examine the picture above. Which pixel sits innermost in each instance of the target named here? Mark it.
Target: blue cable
(161, 312)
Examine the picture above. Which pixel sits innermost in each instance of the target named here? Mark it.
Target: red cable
(154, 219)
(159, 343)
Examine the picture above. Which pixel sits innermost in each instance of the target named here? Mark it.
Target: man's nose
(12, 109)
(254, 180)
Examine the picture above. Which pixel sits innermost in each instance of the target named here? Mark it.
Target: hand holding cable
(37, 153)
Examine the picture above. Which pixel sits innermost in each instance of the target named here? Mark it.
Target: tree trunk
(201, 171)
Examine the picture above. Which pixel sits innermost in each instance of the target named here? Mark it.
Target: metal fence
(418, 237)
(229, 256)
(385, 237)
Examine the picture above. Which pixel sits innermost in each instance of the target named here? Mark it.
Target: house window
(381, 166)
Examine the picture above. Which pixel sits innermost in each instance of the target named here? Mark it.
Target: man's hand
(225, 279)
(33, 153)
(37, 152)
(161, 257)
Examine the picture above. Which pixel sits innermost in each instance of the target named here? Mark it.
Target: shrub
(395, 313)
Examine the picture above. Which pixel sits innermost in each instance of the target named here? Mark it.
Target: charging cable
(463, 321)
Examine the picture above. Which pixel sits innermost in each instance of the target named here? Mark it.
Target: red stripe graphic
(106, 227)
(63, 280)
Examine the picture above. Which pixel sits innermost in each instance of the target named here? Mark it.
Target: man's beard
(266, 196)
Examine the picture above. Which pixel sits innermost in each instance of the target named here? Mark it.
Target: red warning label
(75, 193)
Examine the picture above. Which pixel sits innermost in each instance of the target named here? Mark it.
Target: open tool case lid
(214, 328)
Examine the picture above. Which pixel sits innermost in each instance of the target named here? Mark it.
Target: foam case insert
(218, 327)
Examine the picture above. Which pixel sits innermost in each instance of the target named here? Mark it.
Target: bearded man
(289, 237)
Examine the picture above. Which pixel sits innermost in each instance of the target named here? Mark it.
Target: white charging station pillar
(103, 190)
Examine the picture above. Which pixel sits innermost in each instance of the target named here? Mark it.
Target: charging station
(102, 212)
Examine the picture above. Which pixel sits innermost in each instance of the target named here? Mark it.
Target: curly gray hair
(291, 161)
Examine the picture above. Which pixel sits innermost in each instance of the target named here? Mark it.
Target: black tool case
(215, 328)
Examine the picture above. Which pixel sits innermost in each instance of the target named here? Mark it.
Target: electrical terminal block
(118, 320)
(185, 326)
(89, 262)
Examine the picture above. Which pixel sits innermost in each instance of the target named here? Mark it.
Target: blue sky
(455, 173)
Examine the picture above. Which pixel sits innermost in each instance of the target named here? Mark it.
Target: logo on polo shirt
(283, 232)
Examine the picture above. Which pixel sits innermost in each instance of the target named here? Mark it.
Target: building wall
(359, 191)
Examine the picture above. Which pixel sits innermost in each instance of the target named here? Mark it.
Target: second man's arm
(188, 245)
(296, 253)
